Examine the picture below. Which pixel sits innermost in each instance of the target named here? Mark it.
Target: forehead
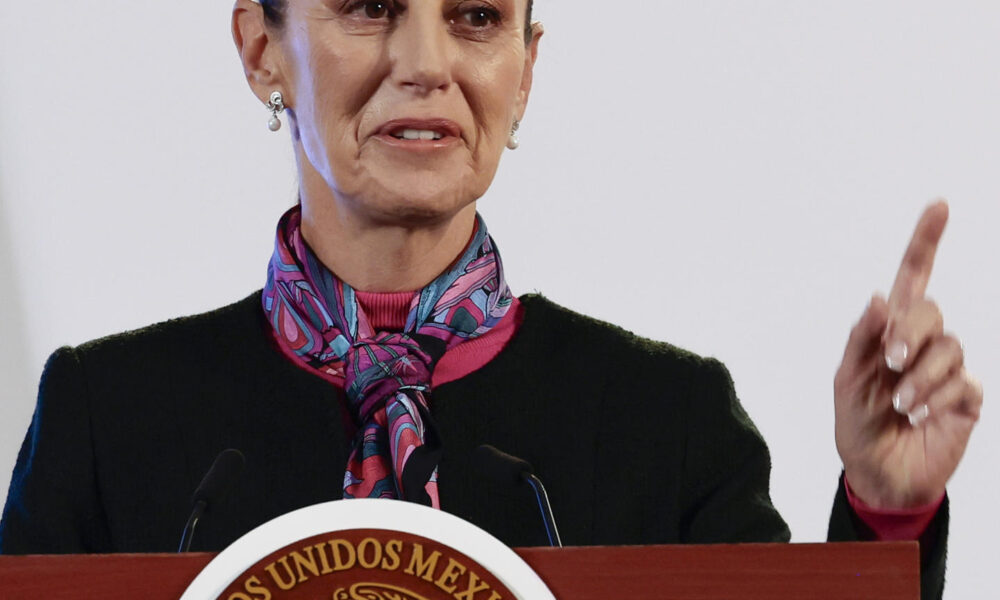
(334, 3)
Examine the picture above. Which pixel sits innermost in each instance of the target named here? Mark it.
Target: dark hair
(274, 12)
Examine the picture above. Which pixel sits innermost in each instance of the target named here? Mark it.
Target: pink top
(894, 525)
(387, 312)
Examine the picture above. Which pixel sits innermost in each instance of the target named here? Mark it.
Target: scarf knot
(319, 323)
(381, 366)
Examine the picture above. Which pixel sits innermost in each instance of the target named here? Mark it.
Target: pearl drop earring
(276, 105)
(512, 141)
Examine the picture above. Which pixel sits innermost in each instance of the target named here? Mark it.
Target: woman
(399, 113)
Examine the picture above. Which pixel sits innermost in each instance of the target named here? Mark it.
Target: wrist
(875, 496)
(895, 524)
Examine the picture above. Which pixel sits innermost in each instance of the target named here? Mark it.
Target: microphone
(504, 467)
(214, 486)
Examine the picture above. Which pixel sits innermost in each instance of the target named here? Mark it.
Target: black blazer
(637, 442)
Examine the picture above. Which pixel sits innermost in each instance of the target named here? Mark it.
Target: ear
(259, 50)
(537, 30)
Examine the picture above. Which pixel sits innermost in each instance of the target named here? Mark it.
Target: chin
(415, 205)
(417, 198)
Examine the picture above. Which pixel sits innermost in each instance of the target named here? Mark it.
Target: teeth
(419, 134)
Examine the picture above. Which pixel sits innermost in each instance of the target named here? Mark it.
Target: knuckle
(975, 389)
(839, 380)
(972, 396)
(953, 346)
(857, 332)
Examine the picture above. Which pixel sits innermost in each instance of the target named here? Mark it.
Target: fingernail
(919, 416)
(895, 356)
(902, 401)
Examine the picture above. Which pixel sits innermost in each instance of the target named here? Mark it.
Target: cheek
(494, 81)
(334, 84)
(350, 73)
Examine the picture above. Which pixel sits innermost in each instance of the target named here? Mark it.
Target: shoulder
(225, 325)
(557, 329)
(630, 374)
(238, 327)
(182, 357)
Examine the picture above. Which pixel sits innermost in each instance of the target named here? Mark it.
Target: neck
(380, 253)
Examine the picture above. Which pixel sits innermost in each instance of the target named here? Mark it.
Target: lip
(450, 131)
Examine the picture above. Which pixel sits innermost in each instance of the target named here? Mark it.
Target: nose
(420, 51)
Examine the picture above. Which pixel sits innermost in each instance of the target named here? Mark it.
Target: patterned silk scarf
(386, 375)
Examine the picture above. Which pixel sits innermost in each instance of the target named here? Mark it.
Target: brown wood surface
(747, 571)
(92, 576)
(883, 571)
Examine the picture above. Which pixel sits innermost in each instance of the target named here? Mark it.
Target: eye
(375, 9)
(477, 17)
(480, 17)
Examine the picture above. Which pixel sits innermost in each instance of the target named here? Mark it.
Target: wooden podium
(886, 571)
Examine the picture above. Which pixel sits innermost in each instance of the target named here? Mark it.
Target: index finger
(915, 270)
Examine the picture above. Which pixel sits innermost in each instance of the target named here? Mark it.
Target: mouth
(420, 130)
(417, 134)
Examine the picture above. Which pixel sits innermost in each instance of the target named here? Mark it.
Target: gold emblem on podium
(367, 564)
(376, 591)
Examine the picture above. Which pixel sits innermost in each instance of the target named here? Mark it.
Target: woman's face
(364, 78)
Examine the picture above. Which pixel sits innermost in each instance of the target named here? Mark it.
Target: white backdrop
(734, 177)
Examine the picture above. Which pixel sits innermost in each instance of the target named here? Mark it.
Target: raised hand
(905, 405)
